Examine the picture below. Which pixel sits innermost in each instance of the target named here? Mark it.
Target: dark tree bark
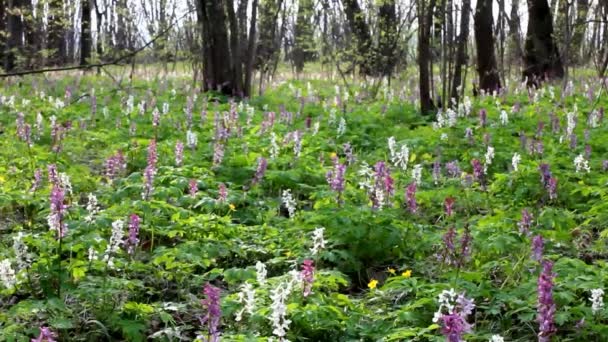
(16, 29)
(576, 54)
(235, 50)
(56, 33)
(303, 50)
(2, 29)
(541, 58)
(514, 29)
(425, 18)
(461, 54)
(217, 71)
(385, 58)
(360, 29)
(85, 32)
(487, 69)
(251, 48)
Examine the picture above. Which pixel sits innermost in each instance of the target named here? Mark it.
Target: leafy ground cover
(310, 213)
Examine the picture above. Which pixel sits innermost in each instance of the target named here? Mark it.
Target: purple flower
(259, 171)
(37, 180)
(193, 187)
(133, 239)
(308, 122)
(449, 205)
(452, 168)
(483, 116)
(540, 128)
(348, 152)
(150, 171)
(383, 186)
(468, 133)
(448, 254)
(218, 153)
(335, 177)
(477, 169)
(410, 197)
(211, 304)
(453, 326)
(554, 123)
(552, 187)
(523, 141)
(526, 222)
(587, 151)
(57, 211)
(222, 193)
(546, 306)
(179, 153)
(436, 170)
(114, 165)
(465, 246)
(308, 271)
(46, 335)
(545, 174)
(573, 141)
(52, 173)
(537, 248)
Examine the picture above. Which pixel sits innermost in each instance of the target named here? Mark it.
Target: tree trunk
(541, 59)
(85, 32)
(15, 28)
(303, 50)
(461, 54)
(235, 49)
(385, 58)
(251, 48)
(56, 33)
(425, 17)
(360, 29)
(487, 69)
(576, 54)
(514, 31)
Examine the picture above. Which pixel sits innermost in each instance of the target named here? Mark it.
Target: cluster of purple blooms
(115, 165)
(548, 181)
(546, 306)
(213, 315)
(383, 187)
(150, 171)
(335, 177)
(46, 335)
(133, 239)
(410, 197)
(307, 273)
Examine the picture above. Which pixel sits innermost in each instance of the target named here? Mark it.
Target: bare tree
(487, 69)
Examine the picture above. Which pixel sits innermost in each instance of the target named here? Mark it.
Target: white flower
(92, 208)
(21, 252)
(165, 108)
(261, 272)
(247, 298)
(515, 161)
(392, 146)
(400, 159)
(316, 127)
(115, 241)
(504, 117)
(191, 139)
(318, 240)
(297, 143)
(417, 173)
(597, 300)
(289, 202)
(489, 158)
(332, 116)
(341, 127)
(497, 338)
(367, 174)
(7, 274)
(452, 117)
(580, 163)
(278, 309)
(443, 137)
(570, 122)
(274, 146)
(65, 183)
(92, 254)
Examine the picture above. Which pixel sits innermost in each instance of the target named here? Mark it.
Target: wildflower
(191, 139)
(449, 205)
(552, 187)
(489, 159)
(261, 272)
(222, 193)
(247, 297)
(341, 127)
(58, 208)
(417, 174)
(391, 270)
(133, 239)
(211, 304)
(452, 168)
(278, 308)
(497, 338)
(231, 207)
(372, 284)
(468, 133)
(155, 118)
(448, 254)
(597, 300)
(477, 169)
(465, 247)
(37, 180)
(401, 158)
(367, 173)
(348, 152)
(46, 335)
(21, 252)
(545, 174)
(483, 116)
(193, 187)
(605, 165)
(297, 143)
(410, 197)
(546, 306)
(383, 186)
(504, 117)
(436, 171)
(114, 242)
(179, 153)
(318, 241)
(289, 202)
(115, 165)
(218, 153)
(150, 171)
(580, 163)
(335, 177)
(537, 248)
(407, 274)
(515, 161)
(452, 314)
(7, 274)
(92, 254)
(307, 274)
(526, 222)
(260, 171)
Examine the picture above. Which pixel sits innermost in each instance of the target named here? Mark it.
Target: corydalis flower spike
(546, 306)
(211, 304)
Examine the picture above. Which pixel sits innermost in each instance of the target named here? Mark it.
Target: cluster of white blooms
(7, 274)
(580, 163)
(489, 158)
(315, 128)
(318, 241)
(452, 117)
(504, 117)
(92, 208)
(297, 143)
(515, 161)
(551, 93)
(597, 300)
(367, 174)
(116, 239)
(130, 105)
(278, 309)
(594, 119)
(398, 158)
(447, 300)
(261, 272)
(274, 146)
(443, 137)
(39, 125)
(191, 139)
(442, 121)
(165, 108)
(341, 127)
(65, 183)
(247, 298)
(497, 338)
(417, 173)
(570, 122)
(332, 116)
(289, 202)
(21, 252)
(92, 254)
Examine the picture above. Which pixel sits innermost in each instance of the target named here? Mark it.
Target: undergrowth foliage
(310, 213)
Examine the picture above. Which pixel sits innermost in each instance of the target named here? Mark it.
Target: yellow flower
(407, 274)
(372, 284)
(391, 270)
(232, 207)
(333, 155)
